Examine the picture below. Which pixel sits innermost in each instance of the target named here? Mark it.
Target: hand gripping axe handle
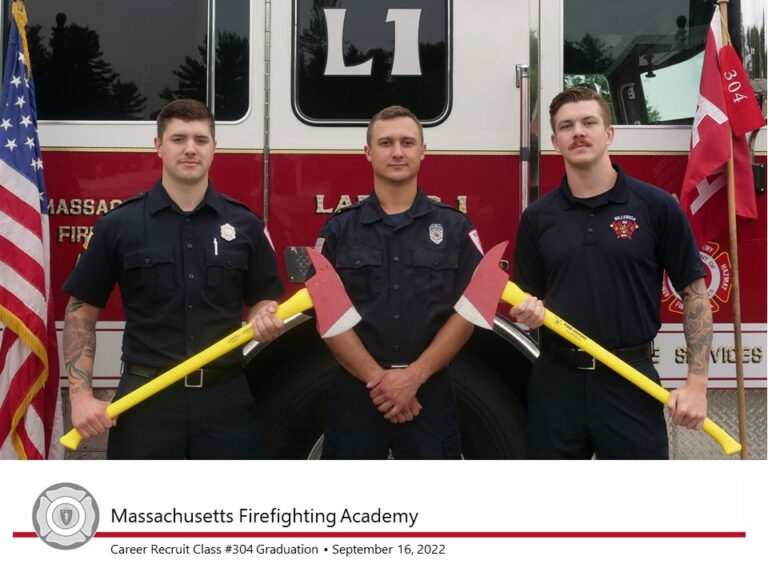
(490, 284)
(333, 308)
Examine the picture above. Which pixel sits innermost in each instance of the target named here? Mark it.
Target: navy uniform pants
(575, 414)
(210, 423)
(356, 430)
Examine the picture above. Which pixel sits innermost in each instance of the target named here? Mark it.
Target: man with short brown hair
(404, 261)
(595, 251)
(187, 260)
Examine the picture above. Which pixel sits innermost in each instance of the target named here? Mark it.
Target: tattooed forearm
(79, 340)
(697, 325)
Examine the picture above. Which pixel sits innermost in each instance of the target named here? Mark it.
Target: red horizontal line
(721, 378)
(407, 535)
(116, 377)
(716, 331)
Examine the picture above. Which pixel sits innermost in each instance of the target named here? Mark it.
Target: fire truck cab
(293, 84)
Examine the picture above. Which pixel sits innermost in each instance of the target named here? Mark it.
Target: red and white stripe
(30, 412)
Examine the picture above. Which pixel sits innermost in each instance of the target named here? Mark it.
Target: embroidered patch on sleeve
(475, 237)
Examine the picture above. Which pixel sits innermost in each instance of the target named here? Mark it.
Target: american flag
(30, 412)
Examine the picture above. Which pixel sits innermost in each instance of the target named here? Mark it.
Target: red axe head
(481, 298)
(333, 308)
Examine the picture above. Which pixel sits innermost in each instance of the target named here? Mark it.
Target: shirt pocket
(225, 274)
(361, 272)
(435, 274)
(149, 273)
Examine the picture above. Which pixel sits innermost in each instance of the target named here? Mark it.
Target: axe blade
(333, 308)
(480, 299)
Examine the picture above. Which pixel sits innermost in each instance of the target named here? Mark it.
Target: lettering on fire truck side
(346, 200)
(724, 355)
(81, 206)
(77, 234)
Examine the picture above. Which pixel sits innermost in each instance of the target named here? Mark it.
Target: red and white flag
(725, 101)
(30, 407)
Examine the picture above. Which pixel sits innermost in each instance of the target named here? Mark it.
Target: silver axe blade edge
(471, 314)
(348, 320)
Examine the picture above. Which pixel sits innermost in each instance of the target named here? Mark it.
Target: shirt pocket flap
(358, 259)
(230, 259)
(435, 260)
(148, 257)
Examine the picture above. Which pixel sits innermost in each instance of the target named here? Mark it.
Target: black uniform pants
(356, 430)
(575, 414)
(215, 422)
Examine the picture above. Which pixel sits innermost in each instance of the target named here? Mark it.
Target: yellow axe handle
(513, 295)
(299, 302)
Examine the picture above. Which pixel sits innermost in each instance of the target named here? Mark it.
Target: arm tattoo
(697, 326)
(79, 340)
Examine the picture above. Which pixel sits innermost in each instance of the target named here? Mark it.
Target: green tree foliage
(74, 81)
(231, 76)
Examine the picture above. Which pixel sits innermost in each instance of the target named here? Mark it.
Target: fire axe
(333, 309)
(490, 284)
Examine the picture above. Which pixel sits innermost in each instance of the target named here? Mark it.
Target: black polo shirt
(599, 262)
(404, 278)
(184, 277)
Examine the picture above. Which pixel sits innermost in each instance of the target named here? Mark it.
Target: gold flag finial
(20, 15)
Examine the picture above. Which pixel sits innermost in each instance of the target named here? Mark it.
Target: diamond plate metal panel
(722, 408)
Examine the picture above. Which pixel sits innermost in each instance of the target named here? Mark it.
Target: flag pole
(734, 254)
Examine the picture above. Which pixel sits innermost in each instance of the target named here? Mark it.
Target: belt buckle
(590, 368)
(188, 384)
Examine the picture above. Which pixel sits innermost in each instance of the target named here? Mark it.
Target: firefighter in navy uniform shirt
(187, 259)
(405, 261)
(595, 251)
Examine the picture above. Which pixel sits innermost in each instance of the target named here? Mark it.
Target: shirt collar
(160, 200)
(619, 194)
(373, 212)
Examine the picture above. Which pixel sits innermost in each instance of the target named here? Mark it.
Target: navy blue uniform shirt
(403, 275)
(599, 262)
(184, 277)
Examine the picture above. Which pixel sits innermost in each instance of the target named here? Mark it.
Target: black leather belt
(577, 358)
(197, 379)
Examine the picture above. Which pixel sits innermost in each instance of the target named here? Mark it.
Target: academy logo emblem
(718, 267)
(65, 516)
(624, 227)
(436, 233)
(228, 232)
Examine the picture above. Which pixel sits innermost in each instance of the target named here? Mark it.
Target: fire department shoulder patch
(475, 237)
(717, 265)
(624, 226)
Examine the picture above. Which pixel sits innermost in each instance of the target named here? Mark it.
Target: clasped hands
(393, 392)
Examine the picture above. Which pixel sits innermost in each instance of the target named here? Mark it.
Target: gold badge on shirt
(228, 232)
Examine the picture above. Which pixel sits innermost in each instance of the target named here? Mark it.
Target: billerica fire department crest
(436, 233)
(624, 226)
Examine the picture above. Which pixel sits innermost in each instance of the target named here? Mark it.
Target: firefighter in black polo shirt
(404, 261)
(595, 251)
(187, 259)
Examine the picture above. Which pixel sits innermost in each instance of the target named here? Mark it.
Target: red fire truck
(293, 83)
